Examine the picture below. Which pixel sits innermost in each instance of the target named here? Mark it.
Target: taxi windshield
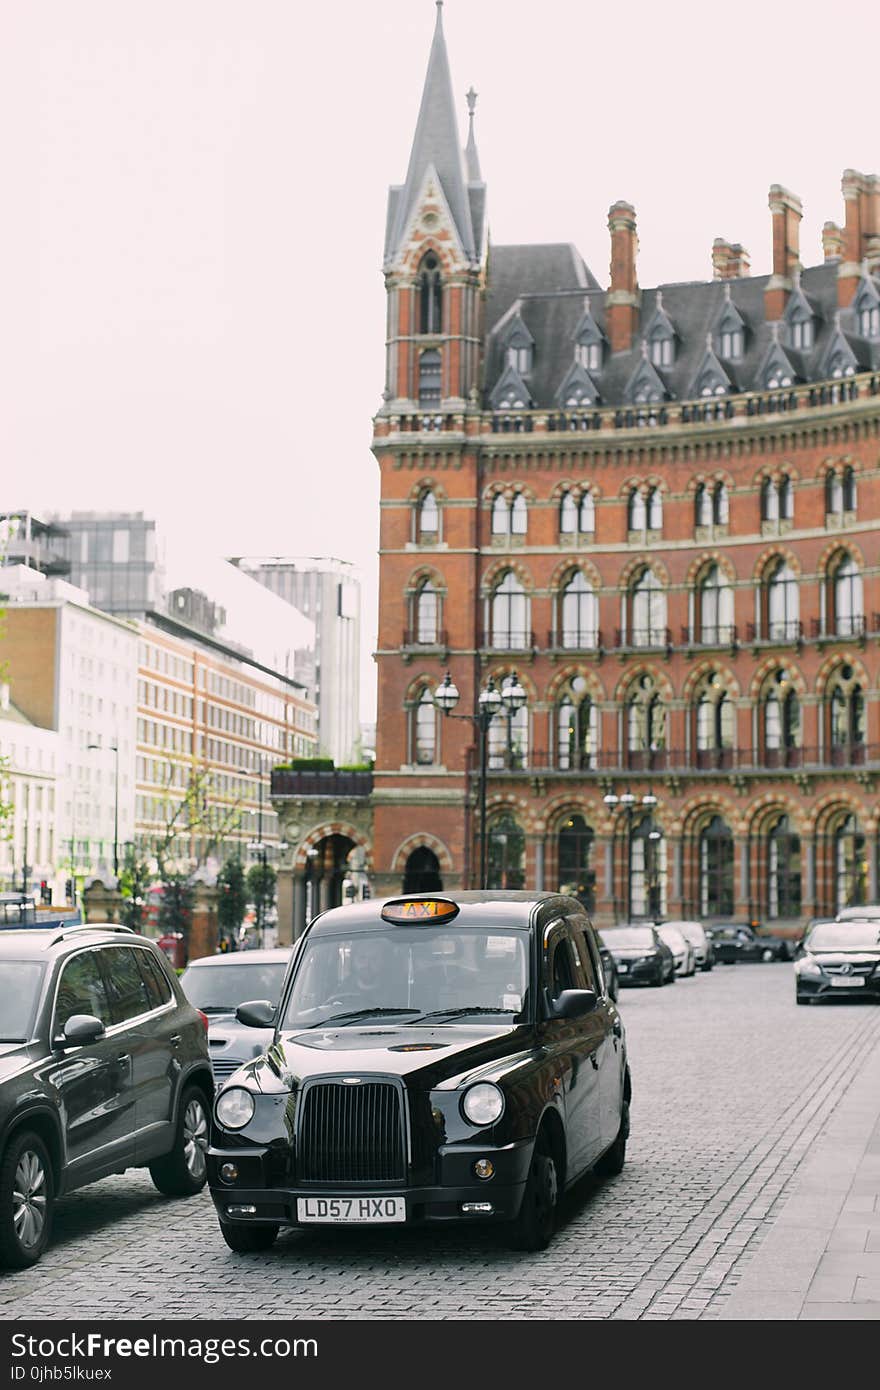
(409, 974)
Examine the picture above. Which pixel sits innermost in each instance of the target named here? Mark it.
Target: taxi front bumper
(458, 1195)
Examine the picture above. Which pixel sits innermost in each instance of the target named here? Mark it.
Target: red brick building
(659, 508)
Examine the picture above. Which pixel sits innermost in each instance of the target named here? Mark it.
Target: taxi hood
(426, 1056)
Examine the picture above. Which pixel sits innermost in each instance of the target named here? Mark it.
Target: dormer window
(430, 295)
(661, 349)
(730, 343)
(646, 393)
(869, 321)
(589, 355)
(520, 357)
(801, 331)
(710, 385)
(518, 347)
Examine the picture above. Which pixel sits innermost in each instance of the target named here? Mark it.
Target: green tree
(135, 881)
(176, 907)
(232, 898)
(261, 880)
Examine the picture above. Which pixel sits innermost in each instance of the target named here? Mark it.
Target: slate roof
(550, 287)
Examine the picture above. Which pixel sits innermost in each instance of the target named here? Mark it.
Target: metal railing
(415, 637)
(687, 761)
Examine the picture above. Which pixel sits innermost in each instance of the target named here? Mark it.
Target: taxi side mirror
(257, 1013)
(574, 1003)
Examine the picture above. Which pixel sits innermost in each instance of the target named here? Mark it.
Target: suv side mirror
(257, 1013)
(79, 1030)
(574, 1003)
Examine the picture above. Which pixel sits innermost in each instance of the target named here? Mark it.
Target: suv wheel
(533, 1227)
(183, 1171)
(244, 1240)
(26, 1198)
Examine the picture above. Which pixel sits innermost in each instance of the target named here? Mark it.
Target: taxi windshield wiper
(459, 1013)
(360, 1013)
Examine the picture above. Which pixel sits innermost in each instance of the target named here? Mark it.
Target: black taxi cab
(435, 1059)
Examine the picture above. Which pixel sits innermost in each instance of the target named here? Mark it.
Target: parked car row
(657, 954)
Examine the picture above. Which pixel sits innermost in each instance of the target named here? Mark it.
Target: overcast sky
(191, 302)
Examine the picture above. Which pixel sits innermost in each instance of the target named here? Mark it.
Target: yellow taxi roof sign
(429, 910)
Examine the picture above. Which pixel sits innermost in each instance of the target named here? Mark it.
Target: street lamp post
(258, 846)
(114, 749)
(628, 801)
(511, 697)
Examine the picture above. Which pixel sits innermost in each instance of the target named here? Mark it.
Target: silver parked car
(704, 951)
(681, 948)
(218, 984)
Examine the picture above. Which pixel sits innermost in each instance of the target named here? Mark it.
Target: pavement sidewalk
(821, 1260)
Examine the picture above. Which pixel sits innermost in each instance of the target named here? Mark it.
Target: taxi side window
(81, 991)
(559, 965)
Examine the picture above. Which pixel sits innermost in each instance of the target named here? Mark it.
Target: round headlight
(234, 1108)
(483, 1104)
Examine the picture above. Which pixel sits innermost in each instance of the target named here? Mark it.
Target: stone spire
(436, 145)
(472, 159)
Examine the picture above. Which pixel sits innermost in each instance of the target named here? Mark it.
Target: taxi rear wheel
(245, 1240)
(534, 1226)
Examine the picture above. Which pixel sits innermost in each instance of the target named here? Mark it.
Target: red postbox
(172, 944)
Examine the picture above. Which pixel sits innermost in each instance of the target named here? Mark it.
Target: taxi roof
(487, 907)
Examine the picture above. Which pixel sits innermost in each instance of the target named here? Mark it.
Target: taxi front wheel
(533, 1227)
(245, 1240)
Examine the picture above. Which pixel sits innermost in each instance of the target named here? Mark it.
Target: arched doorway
(422, 873)
(326, 870)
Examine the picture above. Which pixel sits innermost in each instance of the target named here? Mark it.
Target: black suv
(103, 1066)
(435, 1059)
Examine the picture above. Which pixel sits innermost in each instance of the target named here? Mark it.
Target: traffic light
(68, 890)
(45, 893)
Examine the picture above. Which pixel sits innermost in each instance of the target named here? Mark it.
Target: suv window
(128, 993)
(158, 986)
(81, 991)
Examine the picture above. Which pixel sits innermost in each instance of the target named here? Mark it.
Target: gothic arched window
(847, 599)
(568, 514)
(845, 702)
(637, 511)
(506, 859)
(429, 378)
(715, 607)
(782, 604)
(577, 729)
(647, 605)
(424, 728)
(783, 871)
(509, 613)
(427, 606)
(645, 716)
(428, 514)
(579, 613)
(430, 295)
(850, 864)
(574, 847)
(716, 869)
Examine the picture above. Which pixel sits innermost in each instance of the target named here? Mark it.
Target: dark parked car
(218, 984)
(738, 941)
(641, 956)
(839, 960)
(103, 1066)
(436, 1059)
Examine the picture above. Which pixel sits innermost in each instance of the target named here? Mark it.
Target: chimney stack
(730, 261)
(786, 211)
(861, 233)
(622, 300)
(832, 241)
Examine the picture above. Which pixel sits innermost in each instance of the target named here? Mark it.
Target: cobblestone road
(732, 1084)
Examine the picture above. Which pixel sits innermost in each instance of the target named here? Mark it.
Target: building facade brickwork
(659, 509)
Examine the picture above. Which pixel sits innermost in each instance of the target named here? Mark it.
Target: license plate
(622, 969)
(847, 981)
(357, 1210)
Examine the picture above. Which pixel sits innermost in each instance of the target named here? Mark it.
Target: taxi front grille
(351, 1131)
